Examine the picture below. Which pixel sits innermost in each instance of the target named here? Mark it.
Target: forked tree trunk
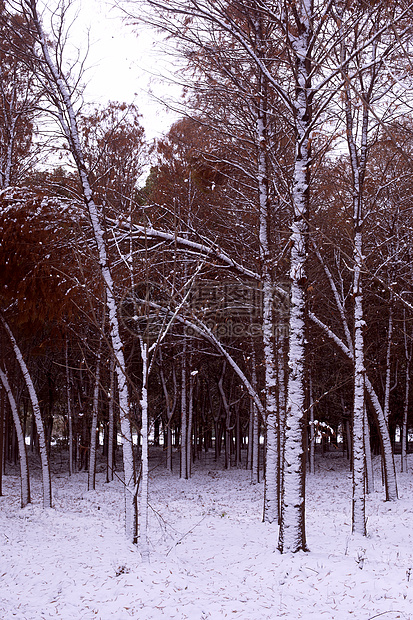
(348, 350)
(24, 469)
(390, 481)
(388, 461)
(44, 457)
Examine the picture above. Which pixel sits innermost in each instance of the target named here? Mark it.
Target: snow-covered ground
(211, 557)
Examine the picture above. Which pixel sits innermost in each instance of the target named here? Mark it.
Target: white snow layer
(211, 555)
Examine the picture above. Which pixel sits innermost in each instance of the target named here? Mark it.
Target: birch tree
(294, 27)
(183, 469)
(111, 423)
(143, 497)
(361, 96)
(44, 52)
(408, 351)
(311, 76)
(91, 482)
(346, 346)
(44, 457)
(24, 469)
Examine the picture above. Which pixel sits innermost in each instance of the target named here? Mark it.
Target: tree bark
(91, 480)
(369, 462)
(44, 457)
(311, 460)
(143, 496)
(387, 388)
(190, 421)
(61, 99)
(184, 432)
(24, 468)
(111, 429)
(292, 536)
(359, 502)
(408, 350)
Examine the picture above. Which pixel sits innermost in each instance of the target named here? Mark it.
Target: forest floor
(211, 555)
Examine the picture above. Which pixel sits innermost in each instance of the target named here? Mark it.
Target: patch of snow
(210, 554)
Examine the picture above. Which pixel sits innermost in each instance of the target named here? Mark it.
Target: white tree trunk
(292, 526)
(358, 166)
(349, 440)
(369, 460)
(389, 469)
(386, 407)
(143, 495)
(24, 469)
(311, 460)
(270, 366)
(184, 432)
(348, 350)
(250, 435)
(404, 438)
(62, 100)
(408, 356)
(47, 482)
(390, 480)
(282, 407)
(111, 429)
(271, 470)
(190, 420)
(359, 502)
(255, 469)
(292, 530)
(292, 523)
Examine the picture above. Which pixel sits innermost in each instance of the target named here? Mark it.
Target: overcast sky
(123, 65)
